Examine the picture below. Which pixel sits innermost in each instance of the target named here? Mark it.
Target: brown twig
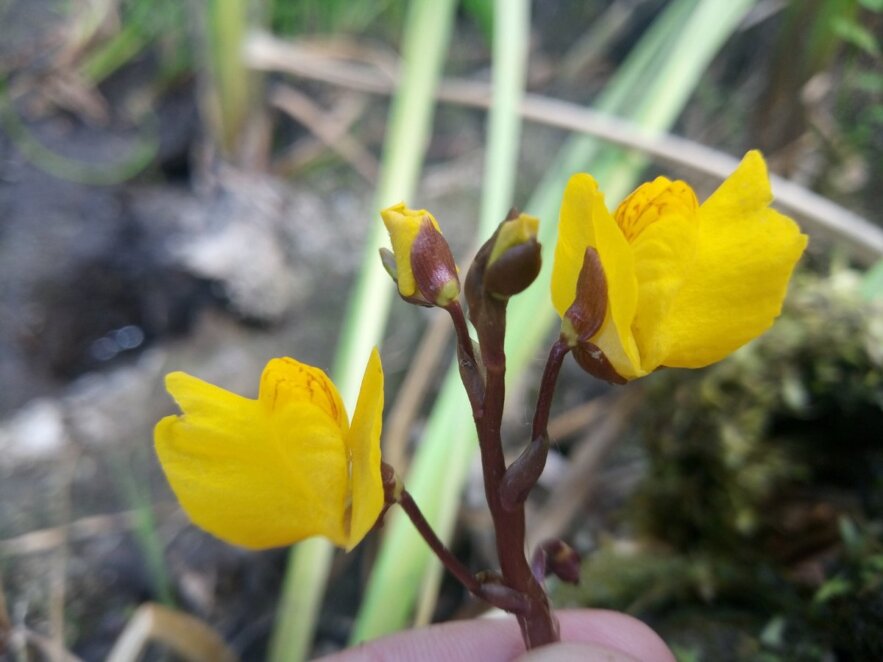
(187, 636)
(58, 576)
(44, 540)
(345, 114)
(323, 126)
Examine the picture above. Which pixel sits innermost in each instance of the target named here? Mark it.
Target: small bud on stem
(556, 557)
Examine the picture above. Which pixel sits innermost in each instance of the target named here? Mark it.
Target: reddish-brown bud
(514, 260)
(421, 262)
(558, 558)
(435, 272)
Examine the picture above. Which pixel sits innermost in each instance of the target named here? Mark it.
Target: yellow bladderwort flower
(284, 467)
(686, 284)
(421, 262)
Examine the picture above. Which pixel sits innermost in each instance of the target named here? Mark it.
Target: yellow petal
(403, 224)
(663, 256)
(253, 476)
(651, 202)
(585, 221)
(363, 443)
(745, 253)
(659, 220)
(286, 380)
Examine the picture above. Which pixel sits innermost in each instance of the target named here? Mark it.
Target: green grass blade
(449, 440)
(510, 49)
(225, 30)
(426, 33)
(136, 492)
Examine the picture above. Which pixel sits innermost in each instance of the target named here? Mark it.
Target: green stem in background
(510, 50)
(141, 25)
(233, 101)
(403, 561)
(225, 30)
(127, 43)
(136, 491)
(425, 39)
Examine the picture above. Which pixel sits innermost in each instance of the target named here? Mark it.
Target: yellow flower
(422, 266)
(281, 468)
(687, 284)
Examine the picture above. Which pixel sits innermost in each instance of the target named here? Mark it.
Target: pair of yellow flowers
(687, 284)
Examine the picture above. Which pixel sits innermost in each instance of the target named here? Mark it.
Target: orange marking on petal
(652, 201)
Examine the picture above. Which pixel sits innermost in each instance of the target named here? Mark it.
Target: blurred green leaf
(857, 35)
(482, 12)
(831, 589)
(872, 283)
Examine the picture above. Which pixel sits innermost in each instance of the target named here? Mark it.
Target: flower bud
(421, 263)
(558, 558)
(515, 260)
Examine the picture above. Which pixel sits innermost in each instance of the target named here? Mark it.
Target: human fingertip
(573, 652)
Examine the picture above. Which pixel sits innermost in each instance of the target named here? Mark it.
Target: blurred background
(195, 186)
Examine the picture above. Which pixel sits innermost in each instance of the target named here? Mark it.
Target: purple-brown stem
(499, 595)
(547, 387)
(538, 625)
(451, 562)
(523, 474)
(473, 381)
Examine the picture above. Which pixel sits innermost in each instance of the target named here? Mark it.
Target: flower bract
(277, 469)
(686, 284)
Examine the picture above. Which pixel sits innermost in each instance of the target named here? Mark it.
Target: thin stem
(486, 586)
(538, 625)
(459, 319)
(451, 562)
(522, 475)
(547, 387)
(473, 381)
